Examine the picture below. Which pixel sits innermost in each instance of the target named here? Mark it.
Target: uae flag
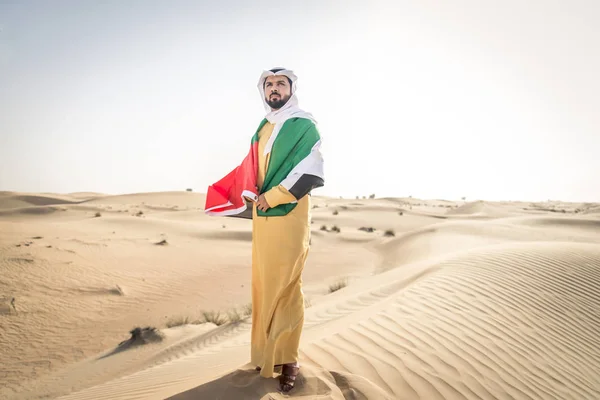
(295, 163)
(227, 197)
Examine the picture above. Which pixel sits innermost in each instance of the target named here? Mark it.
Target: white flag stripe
(311, 165)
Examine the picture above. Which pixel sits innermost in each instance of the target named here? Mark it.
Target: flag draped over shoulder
(295, 161)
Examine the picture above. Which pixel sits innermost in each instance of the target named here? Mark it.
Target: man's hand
(262, 204)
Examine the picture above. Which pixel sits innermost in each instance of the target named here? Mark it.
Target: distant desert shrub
(334, 287)
(162, 243)
(140, 336)
(178, 321)
(336, 212)
(188, 190)
(324, 228)
(366, 229)
(214, 317)
(335, 228)
(117, 290)
(247, 309)
(218, 318)
(139, 213)
(234, 315)
(401, 213)
(372, 196)
(7, 305)
(389, 232)
(97, 215)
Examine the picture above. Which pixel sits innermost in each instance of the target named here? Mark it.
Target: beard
(276, 102)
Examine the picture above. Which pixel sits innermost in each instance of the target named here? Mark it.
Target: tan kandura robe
(279, 249)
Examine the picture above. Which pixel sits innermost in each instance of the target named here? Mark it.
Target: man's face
(277, 91)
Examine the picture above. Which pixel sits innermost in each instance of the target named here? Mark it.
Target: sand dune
(481, 209)
(460, 300)
(474, 330)
(592, 211)
(19, 200)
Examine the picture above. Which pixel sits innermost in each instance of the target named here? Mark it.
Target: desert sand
(439, 300)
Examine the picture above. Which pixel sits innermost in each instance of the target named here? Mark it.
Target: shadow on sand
(248, 384)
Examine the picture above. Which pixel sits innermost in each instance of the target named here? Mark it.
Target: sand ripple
(508, 322)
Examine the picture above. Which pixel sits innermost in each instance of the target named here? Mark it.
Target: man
(283, 166)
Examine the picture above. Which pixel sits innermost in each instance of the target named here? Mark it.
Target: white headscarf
(289, 110)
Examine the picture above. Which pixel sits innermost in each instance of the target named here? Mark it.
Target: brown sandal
(288, 376)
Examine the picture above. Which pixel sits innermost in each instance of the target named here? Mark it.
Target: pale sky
(493, 100)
